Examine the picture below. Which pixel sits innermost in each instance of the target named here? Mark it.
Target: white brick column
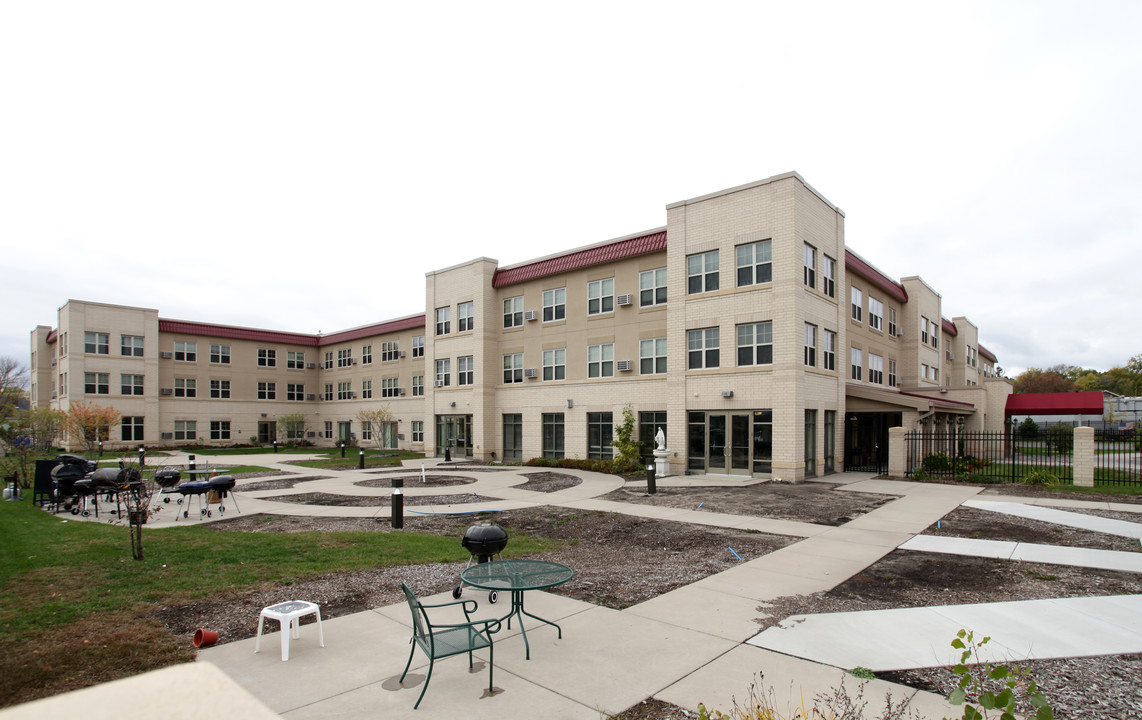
(897, 457)
(1083, 457)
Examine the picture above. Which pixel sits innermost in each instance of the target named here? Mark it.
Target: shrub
(937, 462)
(1039, 476)
(1028, 429)
(1061, 437)
(609, 467)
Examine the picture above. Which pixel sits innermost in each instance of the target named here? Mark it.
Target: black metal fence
(997, 457)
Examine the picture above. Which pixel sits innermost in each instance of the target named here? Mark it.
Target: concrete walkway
(695, 644)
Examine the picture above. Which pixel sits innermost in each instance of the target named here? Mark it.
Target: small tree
(294, 426)
(29, 433)
(136, 492)
(629, 450)
(373, 421)
(90, 423)
(1028, 429)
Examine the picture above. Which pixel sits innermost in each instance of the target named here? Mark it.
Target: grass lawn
(76, 610)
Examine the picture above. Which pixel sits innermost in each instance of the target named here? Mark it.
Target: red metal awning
(1073, 403)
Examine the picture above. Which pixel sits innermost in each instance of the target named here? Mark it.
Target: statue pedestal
(661, 463)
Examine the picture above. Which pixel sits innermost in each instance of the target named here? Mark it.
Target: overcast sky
(301, 166)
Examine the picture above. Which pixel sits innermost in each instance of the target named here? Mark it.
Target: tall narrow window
(465, 369)
(443, 372)
(466, 316)
(417, 385)
(755, 344)
(923, 329)
(754, 263)
(891, 373)
(829, 350)
(702, 273)
(443, 320)
(513, 312)
(875, 313)
(891, 322)
(513, 436)
(600, 429)
(828, 276)
(810, 345)
(601, 296)
(553, 435)
(810, 443)
(830, 439)
(810, 266)
(857, 364)
(875, 369)
(858, 303)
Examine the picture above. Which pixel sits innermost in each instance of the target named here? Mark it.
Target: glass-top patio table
(518, 576)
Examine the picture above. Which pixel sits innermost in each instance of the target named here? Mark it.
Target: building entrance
(454, 432)
(731, 443)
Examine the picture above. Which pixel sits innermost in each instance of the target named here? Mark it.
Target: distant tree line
(1124, 380)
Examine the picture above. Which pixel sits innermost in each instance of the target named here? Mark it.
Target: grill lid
(485, 539)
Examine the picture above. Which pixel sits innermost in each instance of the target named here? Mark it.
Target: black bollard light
(142, 457)
(360, 459)
(342, 449)
(100, 448)
(447, 454)
(651, 486)
(398, 509)
(275, 447)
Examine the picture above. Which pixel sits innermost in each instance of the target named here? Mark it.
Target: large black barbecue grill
(483, 541)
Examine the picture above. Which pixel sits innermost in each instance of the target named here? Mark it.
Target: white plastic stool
(289, 614)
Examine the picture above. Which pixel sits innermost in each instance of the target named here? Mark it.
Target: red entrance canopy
(1072, 403)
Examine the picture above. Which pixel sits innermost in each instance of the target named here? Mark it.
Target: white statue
(660, 440)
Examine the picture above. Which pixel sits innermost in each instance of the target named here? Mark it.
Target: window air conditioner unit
(353, 361)
(310, 396)
(352, 396)
(310, 366)
(53, 396)
(439, 383)
(623, 365)
(168, 436)
(400, 391)
(951, 356)
(311, 433)
(400, 354)
(529, 372)
(53, 362)
(166, 391)
(527, 315)
(166, 355)
(623, 300)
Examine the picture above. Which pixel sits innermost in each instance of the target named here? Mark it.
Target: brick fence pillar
(897, 457)
(1083, 457)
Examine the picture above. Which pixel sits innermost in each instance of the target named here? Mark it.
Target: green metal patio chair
(441, 641)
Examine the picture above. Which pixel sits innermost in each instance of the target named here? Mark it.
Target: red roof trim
(610, 252)
(409, 323)
(1074, 403)
(987, 353)
(51, 338)
(185, 327)
(949, 326)
(941, 401)
(894, 289)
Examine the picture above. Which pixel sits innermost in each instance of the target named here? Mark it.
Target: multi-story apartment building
(744, 329)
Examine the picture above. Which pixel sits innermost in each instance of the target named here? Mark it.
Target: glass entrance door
(454, 432)
(729, 446)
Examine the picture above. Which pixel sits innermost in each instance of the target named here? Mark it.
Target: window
(97, 343)
(267, 391)
(892, 322)
(875, 313)
(857, 364)
(220, 354)
(366, 431)
(186, 351)
(390, 387)
(702, 349)
(63, 383)
(367, 354)
(923, 329)
(555, 364)
(328, 393)
(443, 372)
(696, 441)
(267, 358)
(829, 350)
(936, 375)
(466, 316)
(763, 441)
(702, 273)
(830, 439)
(891, 373)
(220, 389)
(417, 385)
(600, 429)
(344, 357)
(295, 360)
(828, 276)
(132, 346)
(219, 429)
(345, 390)
(875, 369)
(132, 429)
(935, 335)
(810, 442)
(554, 304)
(513, 436)
(858, 301)
(390, 351)
(418, 431)
(185, 430)
(652, 287)
(465, 374)
(185, 387)
(443, 320)
(553, 435)
(810, 266)
(367, 389)
(131, 384)
(328, 433)
(418, 346)
(810, 345)
(652, 356)
(97, 383)
(601, 296)
(295, 391)
(328, 362)
(648, 426)
(755, 344)
(513, 312)
(755, 263)
(601, 360)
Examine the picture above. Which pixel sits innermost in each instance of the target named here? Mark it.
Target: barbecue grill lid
(485, 538)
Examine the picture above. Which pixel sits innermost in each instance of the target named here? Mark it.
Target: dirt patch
(328, 499)
(414, 481)
(546, 482)
(279, 484)
(817, 503)
(1020, 490)
(965, 522)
